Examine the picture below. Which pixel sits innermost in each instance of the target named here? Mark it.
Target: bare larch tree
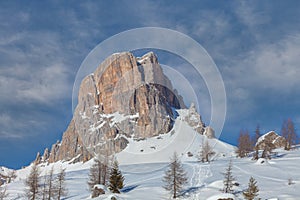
(244, 144)
(289, 133)
(175, 177)
(32, 183)
(99, 173)
(206, 152)
(60, 189)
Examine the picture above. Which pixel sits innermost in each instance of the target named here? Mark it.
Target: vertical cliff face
(126, 97)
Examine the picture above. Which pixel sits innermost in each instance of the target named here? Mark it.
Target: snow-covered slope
(144, 181)
(143, 164)
(5, 171)
(181, 139)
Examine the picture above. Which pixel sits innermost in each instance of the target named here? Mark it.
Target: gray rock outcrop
(270, 138)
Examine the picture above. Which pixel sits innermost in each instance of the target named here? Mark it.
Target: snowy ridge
(181, 139)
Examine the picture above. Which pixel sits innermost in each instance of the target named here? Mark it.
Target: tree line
(49, 187)
(105, 172)
(176, 178)
(246, 144)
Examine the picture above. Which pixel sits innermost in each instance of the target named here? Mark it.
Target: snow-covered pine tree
(206, 152)
(228, 179)
(175, 176)
(116, 179)
(32, 183)
(252, 190)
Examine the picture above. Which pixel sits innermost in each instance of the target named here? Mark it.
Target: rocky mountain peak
(125, 97)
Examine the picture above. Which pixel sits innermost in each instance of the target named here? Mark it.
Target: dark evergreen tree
(116, 179)
(252, 190)
(228, 179)
(175, 176)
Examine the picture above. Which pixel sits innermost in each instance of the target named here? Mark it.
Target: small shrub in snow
(252, 190)
(228, 179)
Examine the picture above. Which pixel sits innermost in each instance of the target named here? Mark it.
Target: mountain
(123, 109)
(126, 98)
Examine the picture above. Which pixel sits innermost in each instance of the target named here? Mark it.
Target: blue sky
(256, 47)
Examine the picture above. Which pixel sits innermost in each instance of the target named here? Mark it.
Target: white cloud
(36, 72)
(269, 66)
(50, 83)
(277, 66)
(249, 15)
(253, 79)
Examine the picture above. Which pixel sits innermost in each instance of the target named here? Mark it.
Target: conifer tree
(45, 188)
(289, 133)
(252, 190)
(60, 189)
(95, 175)
(99, 173)
(50, 186)
(116, 179)
(32, 183)
(175, 176)
(257, 134)
(228, 179)
(255, 139)
(244, 144)
(206, 152)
